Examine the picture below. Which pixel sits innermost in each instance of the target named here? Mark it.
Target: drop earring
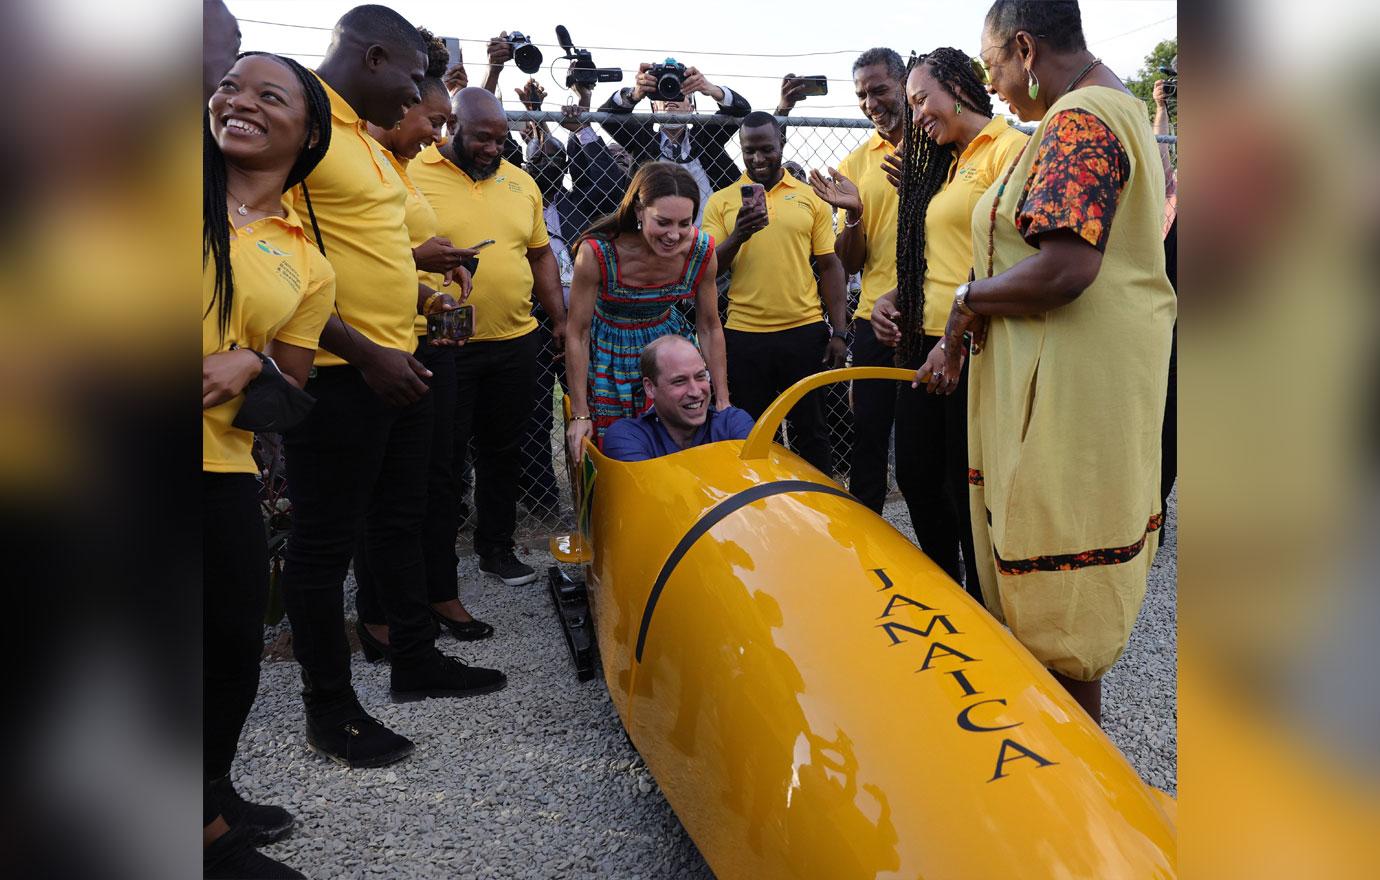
(1034, 82)
(958, 108)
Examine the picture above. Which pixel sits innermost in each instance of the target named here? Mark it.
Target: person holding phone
(438, 332)
(770, 227)
(266, 293)
(480, 195)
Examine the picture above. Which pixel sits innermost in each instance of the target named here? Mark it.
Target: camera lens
(668, 87)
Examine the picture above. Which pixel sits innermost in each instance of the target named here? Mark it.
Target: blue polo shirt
(645, 437)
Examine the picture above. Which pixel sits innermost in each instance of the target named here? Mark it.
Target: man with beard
(361, 455)
(774, 337)
(866, 242)
(479, 195)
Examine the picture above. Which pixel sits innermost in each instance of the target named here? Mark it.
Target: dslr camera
(669, 76)
(527, 56)
(582, 70)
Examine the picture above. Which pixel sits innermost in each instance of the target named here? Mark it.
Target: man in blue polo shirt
(675, 379)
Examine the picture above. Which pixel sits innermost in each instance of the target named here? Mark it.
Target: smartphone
(458, 323)
(815, 85)
(483, 244)
(754, 197)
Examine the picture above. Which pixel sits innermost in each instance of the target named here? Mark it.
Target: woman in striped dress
(632, 269)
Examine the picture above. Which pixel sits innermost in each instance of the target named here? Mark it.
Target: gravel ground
(539, 780)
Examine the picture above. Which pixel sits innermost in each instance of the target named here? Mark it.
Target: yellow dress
(1065, 408)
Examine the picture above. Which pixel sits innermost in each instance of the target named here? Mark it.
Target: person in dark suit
(699, 148)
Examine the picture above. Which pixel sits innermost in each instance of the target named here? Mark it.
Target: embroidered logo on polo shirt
(270, 249)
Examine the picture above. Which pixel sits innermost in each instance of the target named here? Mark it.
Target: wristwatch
(961, 299)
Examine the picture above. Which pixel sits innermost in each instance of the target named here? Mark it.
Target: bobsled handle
(758, 443)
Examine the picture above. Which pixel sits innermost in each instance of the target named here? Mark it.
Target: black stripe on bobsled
(708, 521)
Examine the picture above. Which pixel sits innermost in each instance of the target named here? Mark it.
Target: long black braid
(215, 222)
(925, 171)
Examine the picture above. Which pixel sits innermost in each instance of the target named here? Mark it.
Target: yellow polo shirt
(863, 166)
(285, 290)
(773, 287)
(421, 226)
(505, 207)
(361, 207)
(949, 218)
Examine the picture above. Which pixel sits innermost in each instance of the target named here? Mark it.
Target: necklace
(243, 209)
(1079, 78)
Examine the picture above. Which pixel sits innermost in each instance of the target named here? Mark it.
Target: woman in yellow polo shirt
(437, 261)
(1068, 388)
(953, 150)
(266, 293)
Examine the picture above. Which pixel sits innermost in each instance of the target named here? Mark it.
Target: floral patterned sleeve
(1076, 179)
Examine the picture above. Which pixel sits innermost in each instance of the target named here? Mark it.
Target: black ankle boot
(233, 856)
(265, 824)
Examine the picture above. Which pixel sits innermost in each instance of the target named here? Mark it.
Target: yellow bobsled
(816, 698)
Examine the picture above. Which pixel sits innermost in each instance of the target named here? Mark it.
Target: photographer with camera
(697, 148)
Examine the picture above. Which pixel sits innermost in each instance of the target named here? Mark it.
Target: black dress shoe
(357, 743)
(444, 677)
(233, 856)
(372, 648)
(467, 631)
(265, 824)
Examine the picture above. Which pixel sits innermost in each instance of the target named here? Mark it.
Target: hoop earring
(1034, 81)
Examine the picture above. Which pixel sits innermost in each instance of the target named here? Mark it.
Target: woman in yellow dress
(1070, 315)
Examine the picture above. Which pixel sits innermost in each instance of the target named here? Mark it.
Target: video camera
(669, 76)
(527, 56)
(582, 70)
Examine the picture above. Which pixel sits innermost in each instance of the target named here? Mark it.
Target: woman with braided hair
(266, 293)
(953, 150)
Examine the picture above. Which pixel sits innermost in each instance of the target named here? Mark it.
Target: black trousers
(1169, 434)
(440, 495)
(874, 407)
(762, 365)
(355, 467)
(932, 470)
(537, 486)
(494, 389)
(234, 590)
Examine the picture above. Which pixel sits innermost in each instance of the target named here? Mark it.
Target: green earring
(958, 108)
(1034, 81)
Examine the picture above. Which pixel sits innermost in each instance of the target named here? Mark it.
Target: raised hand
(531, 94)
(792, 92)
(837, 190)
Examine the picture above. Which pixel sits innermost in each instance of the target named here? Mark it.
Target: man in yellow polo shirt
(479, 195)
(774, 336)
(867, 242)
(357, 466)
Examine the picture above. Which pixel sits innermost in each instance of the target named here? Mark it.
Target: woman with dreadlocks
(953, 150)
(1066, 397)
(266, 293)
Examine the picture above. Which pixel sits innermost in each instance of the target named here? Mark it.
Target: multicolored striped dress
(625, 320)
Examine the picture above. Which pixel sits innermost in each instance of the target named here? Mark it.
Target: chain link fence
(591, 189)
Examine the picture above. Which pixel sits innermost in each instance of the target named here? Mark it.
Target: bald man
(479, 195)
(675, 380)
